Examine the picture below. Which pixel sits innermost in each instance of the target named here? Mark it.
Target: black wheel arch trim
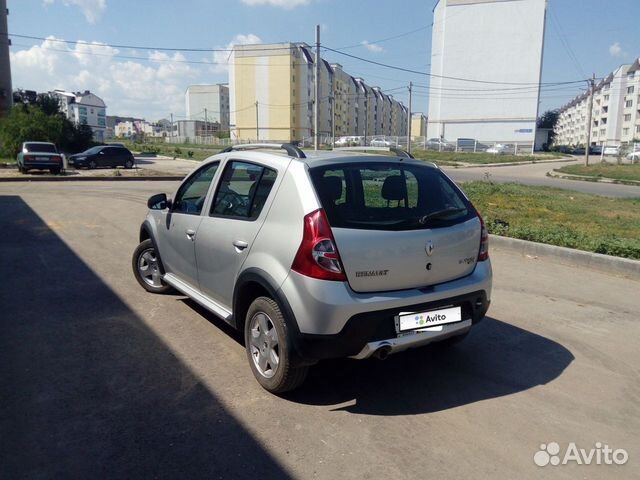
(146, 232)
(268, 283)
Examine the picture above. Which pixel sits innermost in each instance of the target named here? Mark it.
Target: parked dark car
(103, 156)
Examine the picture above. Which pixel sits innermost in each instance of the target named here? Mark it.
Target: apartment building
(479, 46)
(615, 115)
(84, 107)
(271, 93)
(209, 103)
(418, 125)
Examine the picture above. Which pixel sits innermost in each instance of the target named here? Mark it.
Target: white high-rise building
(208, 103)
(84, 107)
(499, 44)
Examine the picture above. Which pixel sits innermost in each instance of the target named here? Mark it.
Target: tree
(549, 120)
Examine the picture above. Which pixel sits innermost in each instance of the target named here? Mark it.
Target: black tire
(92, 165)
(138, 261)
(285, 376)
(20, 168)
(55, 170)
(128, 163)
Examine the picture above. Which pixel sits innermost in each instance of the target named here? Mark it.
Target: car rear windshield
(389, 196)
(40, 148)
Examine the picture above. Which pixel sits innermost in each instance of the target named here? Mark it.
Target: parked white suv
(320, 255)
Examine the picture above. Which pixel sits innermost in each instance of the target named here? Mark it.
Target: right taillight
(483, 253)
(317, 256)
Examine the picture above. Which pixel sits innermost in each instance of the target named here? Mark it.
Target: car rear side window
(243, 190)
(389, 196)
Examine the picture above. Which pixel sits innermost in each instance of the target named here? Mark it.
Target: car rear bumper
(333, 321)
(42, 164)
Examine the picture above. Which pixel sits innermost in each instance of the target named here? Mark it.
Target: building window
(606, 98)
(628, 104)
(625, 131)
(630, 89)
(637, 128)
(627, 117)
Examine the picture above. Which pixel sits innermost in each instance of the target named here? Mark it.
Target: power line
(394, 67)
(140, 47)
(387, 39)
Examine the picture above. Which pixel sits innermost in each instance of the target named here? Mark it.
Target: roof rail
(291, 149)
(398, 151)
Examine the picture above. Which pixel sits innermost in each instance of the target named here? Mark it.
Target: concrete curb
(92, 179)
(590, 178)
(515, 164)
(624, 267)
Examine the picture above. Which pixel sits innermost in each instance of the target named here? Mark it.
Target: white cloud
(372, 47)
(221, 59)
(287, 4)
(150, 89)
(615, 50)
(91, 9)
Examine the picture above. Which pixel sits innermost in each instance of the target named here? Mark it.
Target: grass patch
(456, 158)
(189, 151)
(605, 170)
(7, 160)
(560, 217)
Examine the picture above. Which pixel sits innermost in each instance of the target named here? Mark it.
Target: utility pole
(409, 120)
(257, 129)
(206, 123)
(172, 124)
(316, 93)
(366, 115)
(6, 91)
(333, 120)
(592, 84)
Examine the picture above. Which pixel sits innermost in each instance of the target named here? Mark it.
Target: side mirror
(159, 201)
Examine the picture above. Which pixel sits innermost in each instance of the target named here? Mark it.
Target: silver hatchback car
(320, 255)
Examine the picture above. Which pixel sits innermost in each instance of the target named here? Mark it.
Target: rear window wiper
(441, 214)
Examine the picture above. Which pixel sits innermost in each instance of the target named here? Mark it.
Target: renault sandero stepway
(320, 255)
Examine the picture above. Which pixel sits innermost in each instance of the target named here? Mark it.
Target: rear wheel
(128, 163)
(146, 268)
(92, 165)
(55, 170)
(268, 349)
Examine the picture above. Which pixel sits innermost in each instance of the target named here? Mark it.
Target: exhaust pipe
(382, 353)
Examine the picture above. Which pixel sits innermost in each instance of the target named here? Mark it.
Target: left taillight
(317, 256)
(483, 253)
(56, 158)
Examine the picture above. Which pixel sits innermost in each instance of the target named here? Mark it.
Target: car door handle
(240, 245)
(190, 233)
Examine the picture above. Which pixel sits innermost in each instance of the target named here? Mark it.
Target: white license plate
(423, 320)
(42, 159)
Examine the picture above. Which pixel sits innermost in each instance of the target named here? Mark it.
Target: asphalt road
(100, 379)
(536, 174)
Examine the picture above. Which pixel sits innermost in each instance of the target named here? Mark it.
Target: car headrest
(331, 188)
(394, 188)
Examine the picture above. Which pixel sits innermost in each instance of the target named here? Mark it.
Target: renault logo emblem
(429, 248)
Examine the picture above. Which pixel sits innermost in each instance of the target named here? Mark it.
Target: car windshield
(92, 150)
(389, 196)
(40, 148)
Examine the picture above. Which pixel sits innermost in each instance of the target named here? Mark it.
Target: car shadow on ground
(495, 360)
(88, 389)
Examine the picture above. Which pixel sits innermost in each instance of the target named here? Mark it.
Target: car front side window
(192, 194)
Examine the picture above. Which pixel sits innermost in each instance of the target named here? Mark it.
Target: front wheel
(268, 348)
(92, 164)
(128, 163)
(146, 268)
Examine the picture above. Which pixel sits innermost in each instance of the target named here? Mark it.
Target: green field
(605, 170)
(560, 217)
(7, 160)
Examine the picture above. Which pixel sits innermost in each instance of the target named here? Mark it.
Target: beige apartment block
(271, 94)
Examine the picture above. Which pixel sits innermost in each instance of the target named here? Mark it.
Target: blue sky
(151, 83)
